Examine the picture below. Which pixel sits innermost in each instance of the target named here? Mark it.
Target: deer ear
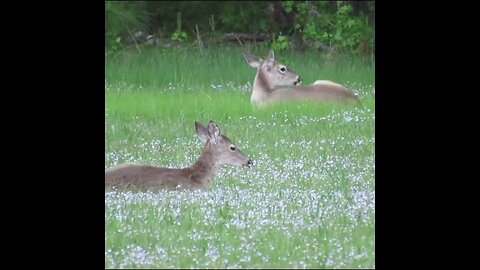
(271, 56)
(270, 62)
(253, 61)
(202, 132)
(213, 132)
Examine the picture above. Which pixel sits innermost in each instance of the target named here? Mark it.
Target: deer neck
(261, 88)
(206, 167)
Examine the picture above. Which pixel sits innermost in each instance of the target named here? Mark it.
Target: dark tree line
(342, 25)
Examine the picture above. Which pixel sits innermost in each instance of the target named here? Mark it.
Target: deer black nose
(297, 81)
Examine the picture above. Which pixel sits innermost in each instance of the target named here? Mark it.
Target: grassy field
(309, 201)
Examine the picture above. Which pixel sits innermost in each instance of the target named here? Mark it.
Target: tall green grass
(309, 201)
(191, 68)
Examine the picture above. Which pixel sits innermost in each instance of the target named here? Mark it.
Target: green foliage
(288, 6)
(350, 30)
(179, 36)
(121, 20)
(332, 23)
(281, 43)
(344, 26)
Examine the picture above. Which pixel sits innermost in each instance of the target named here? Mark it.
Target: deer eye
(233, 148)
(283, 69)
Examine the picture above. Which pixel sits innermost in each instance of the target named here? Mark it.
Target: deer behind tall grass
(218, 150)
